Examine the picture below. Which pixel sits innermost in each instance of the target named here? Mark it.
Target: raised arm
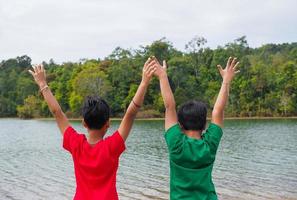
(168, 98)
(227, 75)
(128, 119)
(40, 78)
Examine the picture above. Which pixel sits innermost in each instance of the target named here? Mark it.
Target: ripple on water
(256, 159)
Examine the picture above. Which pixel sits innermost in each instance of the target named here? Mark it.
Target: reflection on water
(257, 159)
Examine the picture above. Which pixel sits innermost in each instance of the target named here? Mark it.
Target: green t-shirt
(191, 163)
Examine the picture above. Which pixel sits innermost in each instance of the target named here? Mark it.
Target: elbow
(57, 112)
(131, 112)
(217, 112)
(170, 106)
(131, 115)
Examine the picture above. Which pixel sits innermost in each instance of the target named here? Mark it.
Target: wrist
(226, 81)
(163, 76)
(42, 85)
(136, 104)
(144, 83)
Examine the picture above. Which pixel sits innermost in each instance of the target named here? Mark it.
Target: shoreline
(159, 118)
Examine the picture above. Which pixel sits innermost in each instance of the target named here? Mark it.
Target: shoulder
(115, 143)
(70, 131)
(214, 129)
(173, 129)
(212, 136)
(174, 132)
(72, 139)
(174, 138)
(115, 136)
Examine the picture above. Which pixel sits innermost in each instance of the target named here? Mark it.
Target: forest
(265, 87)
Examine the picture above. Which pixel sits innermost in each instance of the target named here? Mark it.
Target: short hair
(95, 112)
(192, 115)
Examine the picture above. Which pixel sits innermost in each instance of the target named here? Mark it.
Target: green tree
(31, 108)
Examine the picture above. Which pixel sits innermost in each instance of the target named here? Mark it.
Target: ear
(107, 124)
(84, 123)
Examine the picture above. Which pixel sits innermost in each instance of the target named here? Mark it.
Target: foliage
(266, 86)
(31, 108)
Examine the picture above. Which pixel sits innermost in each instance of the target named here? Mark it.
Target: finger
(220, 68)
(153, 57)
(31, 72)
(34, 68)
(233, 62)
(39, 67)
(144, 66)
(147, 61)
(153, 68)
(156, 60)
(152, 71)
(237, 71)
(235, 66)
(164, 64)
(153, 63)
(42, 67)
(229, 61)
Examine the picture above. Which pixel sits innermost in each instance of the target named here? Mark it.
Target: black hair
(95, 112)
(192, 115)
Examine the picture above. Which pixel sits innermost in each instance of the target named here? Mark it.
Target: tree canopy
(266, 85)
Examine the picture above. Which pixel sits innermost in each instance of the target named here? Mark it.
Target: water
(257, 159)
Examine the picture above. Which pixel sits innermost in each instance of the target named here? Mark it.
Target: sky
(69, 30)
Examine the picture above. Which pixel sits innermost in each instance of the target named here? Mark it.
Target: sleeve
(71, 139)
(116, 144)
(174, 138)
(213, 136)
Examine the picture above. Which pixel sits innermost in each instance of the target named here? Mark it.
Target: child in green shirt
(191, 153)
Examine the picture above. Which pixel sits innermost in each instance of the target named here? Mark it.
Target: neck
(95, 136)
(193, 133)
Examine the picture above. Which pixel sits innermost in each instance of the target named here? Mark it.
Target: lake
(257, 159)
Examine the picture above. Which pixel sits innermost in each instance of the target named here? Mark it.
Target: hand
(230, 70)
(148, 70)
(38, 74)
(160, 70)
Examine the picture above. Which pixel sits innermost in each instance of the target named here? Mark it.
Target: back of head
(95, 112)
(192, 115)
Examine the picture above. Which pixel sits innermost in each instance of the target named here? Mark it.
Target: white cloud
(73, 29)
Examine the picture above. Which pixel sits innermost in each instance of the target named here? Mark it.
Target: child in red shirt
(95, 158)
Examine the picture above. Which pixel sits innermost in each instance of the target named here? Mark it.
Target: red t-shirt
(95, 167)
